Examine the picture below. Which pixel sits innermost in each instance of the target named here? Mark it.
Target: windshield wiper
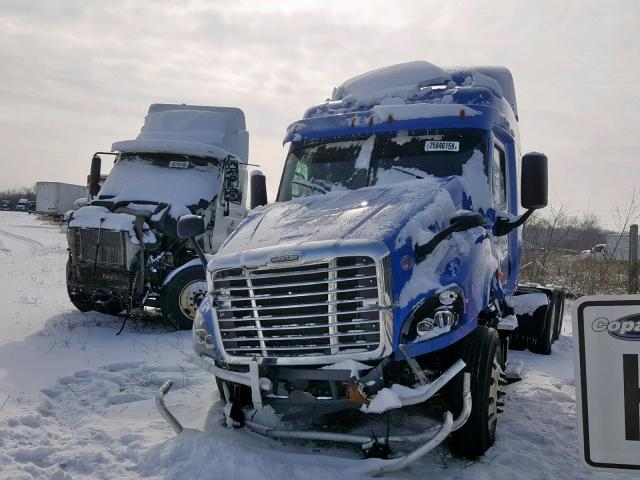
(310, 186)
(408, 173)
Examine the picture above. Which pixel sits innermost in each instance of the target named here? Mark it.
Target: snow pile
(527, 303)
(92, 216)
(136, 179)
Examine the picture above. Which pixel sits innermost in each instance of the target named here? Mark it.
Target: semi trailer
(124, 251)
(386, 273)
(56, 198)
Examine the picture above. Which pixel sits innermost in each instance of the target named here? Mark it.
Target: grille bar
(304, 347)
(291, 338)
(289, 285)
(306, 315)
(295, 273)
(301, 327)
(223, 298)
(300, 305)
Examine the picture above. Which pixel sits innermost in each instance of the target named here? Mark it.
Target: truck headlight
(435, 315)
(201, 336)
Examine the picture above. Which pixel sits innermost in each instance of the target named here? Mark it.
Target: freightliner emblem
(285, 258)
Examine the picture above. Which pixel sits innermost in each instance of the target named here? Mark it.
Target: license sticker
(178, 164)
(441, 146)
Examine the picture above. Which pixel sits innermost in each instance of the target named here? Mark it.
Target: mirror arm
(503, 226)
(421, 251)
(196, 246)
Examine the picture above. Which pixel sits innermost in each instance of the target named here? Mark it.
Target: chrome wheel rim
(191, 296)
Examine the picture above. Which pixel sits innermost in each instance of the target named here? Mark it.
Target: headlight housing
(435, 315)
(201, 336)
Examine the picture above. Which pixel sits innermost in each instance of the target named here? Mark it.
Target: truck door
(499, 172)
(231, 204)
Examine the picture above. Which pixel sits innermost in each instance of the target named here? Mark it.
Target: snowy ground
(77, 402)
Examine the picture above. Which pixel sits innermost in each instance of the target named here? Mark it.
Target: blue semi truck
(386, 273)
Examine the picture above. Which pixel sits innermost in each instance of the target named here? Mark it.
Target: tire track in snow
(3, 249)
(26, 240)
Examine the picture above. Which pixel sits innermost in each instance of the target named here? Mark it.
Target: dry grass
(579, 276)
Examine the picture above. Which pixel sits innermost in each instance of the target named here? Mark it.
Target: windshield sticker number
(441, 146)
(178, 164)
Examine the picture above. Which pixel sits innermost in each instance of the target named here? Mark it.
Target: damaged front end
(105, 270)
(309, 334)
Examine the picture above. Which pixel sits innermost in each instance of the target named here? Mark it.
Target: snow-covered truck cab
(384, 266)
(124, 249)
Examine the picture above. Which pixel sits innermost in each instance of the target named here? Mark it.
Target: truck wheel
(79, 301)
(482, 352)
(181, 297)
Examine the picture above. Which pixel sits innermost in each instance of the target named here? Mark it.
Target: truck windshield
(179, 180)
(378, 159)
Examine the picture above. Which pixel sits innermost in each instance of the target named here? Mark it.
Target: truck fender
(195, 261)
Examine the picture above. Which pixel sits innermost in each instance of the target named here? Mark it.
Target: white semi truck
(125, 253)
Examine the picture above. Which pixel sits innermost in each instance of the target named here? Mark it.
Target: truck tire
(543, 343)
(482, 352)
(181, 297)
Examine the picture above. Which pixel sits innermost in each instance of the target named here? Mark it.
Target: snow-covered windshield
(378, 159)
(178, 180)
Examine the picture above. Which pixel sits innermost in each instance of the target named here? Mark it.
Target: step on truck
(124, 251)
(385, 273)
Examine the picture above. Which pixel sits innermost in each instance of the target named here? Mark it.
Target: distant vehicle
(5, 205)
(22, 204)
(56, 198)
(598, 252)
(31, 206)
(124, 250)
(616, 248)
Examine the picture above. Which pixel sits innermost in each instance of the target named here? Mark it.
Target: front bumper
(428, 439)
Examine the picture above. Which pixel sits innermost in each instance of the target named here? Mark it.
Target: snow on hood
(99, 217)
(395, 211)
(377, 212)
(400, 215)
(139, 180)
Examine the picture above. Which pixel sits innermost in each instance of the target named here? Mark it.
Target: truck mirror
(94, 175)
(190, 226)
(258, 189)
(534, 181)
(467, 220)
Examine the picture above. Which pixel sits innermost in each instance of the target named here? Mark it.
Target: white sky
(77, 75)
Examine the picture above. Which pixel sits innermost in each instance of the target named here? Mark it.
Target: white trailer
(55, 198)
(618, 246)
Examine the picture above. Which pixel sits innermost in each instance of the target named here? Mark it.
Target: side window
(499, 179)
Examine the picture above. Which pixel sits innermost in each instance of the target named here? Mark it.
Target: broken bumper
(428, 439)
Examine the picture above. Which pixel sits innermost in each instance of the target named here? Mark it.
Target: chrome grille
(112, 247)
(318, 309)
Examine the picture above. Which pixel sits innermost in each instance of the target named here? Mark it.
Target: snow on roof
(419, 82)
(191, 129)
(400, 80)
